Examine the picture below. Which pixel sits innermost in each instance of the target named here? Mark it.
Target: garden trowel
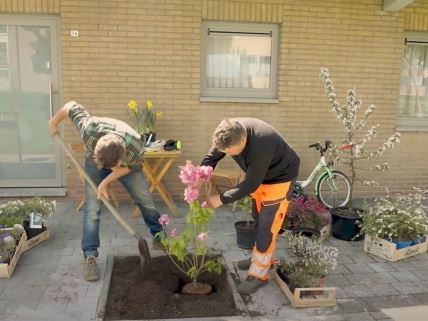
(145, 258)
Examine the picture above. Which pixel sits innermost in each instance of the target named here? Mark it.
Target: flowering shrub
(356, 147)
(313, 261)
(9, 239)
(306, 213)
(402, 217)
(144, 117)
(188, 250)
(15, 212)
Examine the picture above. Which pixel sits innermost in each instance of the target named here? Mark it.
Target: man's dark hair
(228, 133)
(109, 150)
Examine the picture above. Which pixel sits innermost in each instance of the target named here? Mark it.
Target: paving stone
(357, 316)
(353, 305)
(392, 301)
(340, 269)
(370, 278)
(422, 298)
(420, 265)
(359, 268)
(405, 276)
(8, 317)
(358, 291)
(383, 289)
(379, 315)
(15, 306)
(407, 287)
(381, 267)
(337, 280)
(423, 275)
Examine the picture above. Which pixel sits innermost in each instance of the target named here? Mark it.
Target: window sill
(412, 125)
(239, 100)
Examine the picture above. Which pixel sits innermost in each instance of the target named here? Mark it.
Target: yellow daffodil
(149, 104)
(132, 104)
(159, 114)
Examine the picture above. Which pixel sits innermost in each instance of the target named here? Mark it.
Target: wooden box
(30, 243)
(6, 270)
(388, 250)
(300, 299)
(325, 232)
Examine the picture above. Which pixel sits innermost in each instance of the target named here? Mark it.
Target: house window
(239, 61)
(413, 99)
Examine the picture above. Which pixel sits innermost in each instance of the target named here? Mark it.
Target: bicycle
(332, 187)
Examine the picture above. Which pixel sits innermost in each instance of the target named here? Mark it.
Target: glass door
(28, 89)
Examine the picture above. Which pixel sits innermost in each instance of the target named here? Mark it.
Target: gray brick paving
(48, 282)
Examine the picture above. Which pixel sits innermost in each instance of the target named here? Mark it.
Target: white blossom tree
(356, 140)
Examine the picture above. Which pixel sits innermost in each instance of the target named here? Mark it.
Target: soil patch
(159, 297)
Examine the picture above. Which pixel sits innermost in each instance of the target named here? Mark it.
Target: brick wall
(152, 50)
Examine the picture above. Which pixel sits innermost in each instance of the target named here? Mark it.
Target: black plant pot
(32, 232)
(344, 223)
(246, 234)
(145, 138)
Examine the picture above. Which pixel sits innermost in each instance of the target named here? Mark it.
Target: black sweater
(266, 159)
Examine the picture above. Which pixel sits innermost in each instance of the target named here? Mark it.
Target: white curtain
(413, 101)
(238, 61)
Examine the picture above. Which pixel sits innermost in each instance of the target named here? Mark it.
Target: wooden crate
(6, 270)
(298, 299)
(388, 250)
(325, 232)
(30, 243)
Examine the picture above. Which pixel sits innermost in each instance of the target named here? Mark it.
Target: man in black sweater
(271, 166)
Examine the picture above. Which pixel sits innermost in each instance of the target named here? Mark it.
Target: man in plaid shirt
(113, 152)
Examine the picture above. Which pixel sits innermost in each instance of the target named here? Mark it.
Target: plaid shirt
(92, 128)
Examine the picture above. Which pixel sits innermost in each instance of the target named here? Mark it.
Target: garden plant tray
(30, 243)
(6, 270)
(300, 298)
(388, 250)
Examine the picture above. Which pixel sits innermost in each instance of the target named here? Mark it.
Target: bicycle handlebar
(318, 146)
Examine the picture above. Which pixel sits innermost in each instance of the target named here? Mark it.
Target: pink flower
(205, 173)
(204, 204)
(173, 232)
(189, 174)
(191, 194)
(164, 219)
(202, 237)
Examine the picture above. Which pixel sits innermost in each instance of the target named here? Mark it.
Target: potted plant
(144, 118)
(311, 264)
(356, 148)
(188, 250)
(401, 219)
(307, 216)
(246, 230)
(9, 239)
(31, 213)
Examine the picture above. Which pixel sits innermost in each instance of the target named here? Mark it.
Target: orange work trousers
(270, 203)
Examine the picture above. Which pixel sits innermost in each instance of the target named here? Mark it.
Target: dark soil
(159, 296)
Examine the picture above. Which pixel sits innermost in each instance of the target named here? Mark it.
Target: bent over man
(113, 152)
(271, 166)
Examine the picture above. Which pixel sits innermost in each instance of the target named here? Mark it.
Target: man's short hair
(228, 133)
(109, 150)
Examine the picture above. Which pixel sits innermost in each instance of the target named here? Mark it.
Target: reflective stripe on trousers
(270, 203)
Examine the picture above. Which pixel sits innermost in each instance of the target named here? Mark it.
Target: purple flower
(205, 173)
(164, 219)
(189, 174)
(191, 194)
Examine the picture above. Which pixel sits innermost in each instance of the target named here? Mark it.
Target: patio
(47, 283)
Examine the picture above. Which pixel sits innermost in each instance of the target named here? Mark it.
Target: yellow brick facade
(151, 49)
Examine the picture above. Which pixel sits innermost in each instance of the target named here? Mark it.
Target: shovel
(145, 258)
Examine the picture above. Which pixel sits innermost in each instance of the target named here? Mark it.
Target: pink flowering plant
(188, 250)
(307, 213)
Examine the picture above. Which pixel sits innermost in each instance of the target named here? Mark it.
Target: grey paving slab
(407, 287)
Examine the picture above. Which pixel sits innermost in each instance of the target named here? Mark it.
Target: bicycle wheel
(334, 191)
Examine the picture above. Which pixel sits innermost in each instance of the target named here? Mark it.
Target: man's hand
(103, 190)
(214, 201)
(53, 126)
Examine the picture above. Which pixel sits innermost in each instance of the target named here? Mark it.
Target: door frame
(57, 187)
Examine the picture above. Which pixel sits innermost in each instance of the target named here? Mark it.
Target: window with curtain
(239, 60)
(413, 99)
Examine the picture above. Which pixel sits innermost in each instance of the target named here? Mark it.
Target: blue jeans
(136, 185)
